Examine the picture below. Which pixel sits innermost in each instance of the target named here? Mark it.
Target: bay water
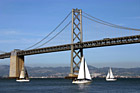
(55, 85)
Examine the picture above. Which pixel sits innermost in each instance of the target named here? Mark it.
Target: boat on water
(110, 76)
(23, 76)
(84, 75)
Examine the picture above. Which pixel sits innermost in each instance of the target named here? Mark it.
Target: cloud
(8, 41)
(136, 17)
(20, 41)
(9, 32)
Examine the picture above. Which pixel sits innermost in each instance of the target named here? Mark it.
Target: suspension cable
(98, 21)
(107, 23)
(50, 32)
(54, 36)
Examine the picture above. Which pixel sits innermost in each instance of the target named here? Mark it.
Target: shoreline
(65, 78)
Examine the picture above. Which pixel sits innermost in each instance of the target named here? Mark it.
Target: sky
(24, 22)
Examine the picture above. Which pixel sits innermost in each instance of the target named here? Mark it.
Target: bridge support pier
(16, 63)
(76, 37)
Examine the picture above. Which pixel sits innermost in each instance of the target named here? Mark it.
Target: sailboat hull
(111, 79)
(23, 80)
(81, 81)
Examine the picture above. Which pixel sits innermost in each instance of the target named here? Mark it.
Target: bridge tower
(16, 63)
(76, 37)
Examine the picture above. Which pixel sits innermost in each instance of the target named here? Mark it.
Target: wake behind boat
(23, 76)
(84, 75)
(110, 76)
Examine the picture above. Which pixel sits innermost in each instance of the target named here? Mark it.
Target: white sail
(111, 74)
(22, 73)
(81, 70)
(87, 71)
(84, 72)
(108, 75)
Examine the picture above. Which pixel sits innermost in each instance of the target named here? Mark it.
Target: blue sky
(24, 22)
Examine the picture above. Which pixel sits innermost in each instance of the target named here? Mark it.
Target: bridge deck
(89, 44)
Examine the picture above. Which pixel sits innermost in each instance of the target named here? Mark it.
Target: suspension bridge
(77, 45)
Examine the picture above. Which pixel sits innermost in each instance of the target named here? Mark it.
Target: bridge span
(89, 44)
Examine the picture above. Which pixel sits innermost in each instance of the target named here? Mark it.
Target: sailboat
(84, 75)
(110, 76)
(23, 75)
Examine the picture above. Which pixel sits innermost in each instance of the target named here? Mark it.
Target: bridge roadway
(88, 44)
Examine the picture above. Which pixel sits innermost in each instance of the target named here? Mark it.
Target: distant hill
(4, 70)
(64, 71)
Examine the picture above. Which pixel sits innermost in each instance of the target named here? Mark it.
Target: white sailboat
(110, 76)
(23, 76)
(84, 75)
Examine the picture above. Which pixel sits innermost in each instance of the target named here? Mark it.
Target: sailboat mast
(109, 73)
(84, 70)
